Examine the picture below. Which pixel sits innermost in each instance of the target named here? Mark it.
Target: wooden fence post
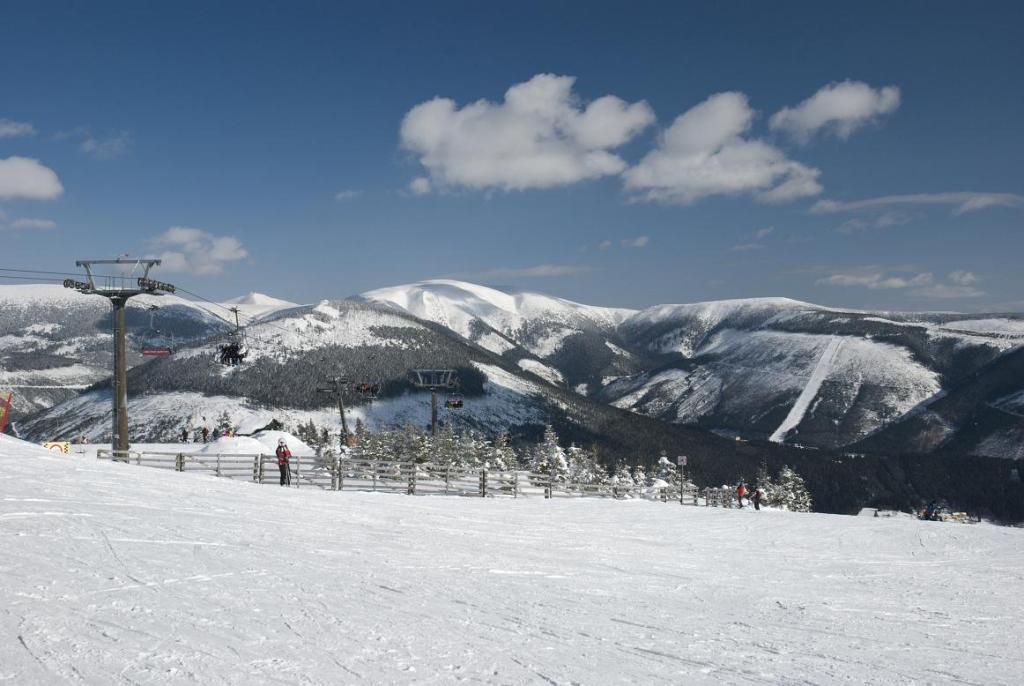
(412, 478)
(217, 472)
(179, 462)
(483, 482)
(298, 471)
(547, 487)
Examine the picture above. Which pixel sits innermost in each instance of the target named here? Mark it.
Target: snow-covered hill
(539, 323)
(54, 341)
(113, 573)
(256, 305)
(761, 368)
(554, 338)
(792, 371)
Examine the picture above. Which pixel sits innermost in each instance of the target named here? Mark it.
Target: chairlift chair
(368, 390)
(454, 401)
(155, 345)
(233, 352)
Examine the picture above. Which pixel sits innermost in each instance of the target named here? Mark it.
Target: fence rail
(412, 478)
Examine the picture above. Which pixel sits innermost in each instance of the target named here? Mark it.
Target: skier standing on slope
(758, 495)
(741, 493)
(282, 462)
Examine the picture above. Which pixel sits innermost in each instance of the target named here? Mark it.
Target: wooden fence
(412, 478)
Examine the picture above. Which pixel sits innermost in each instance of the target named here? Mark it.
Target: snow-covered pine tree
(640, 478)
(622, 481)
(469, 451)
(445, 448)
(666, 478)
(502, 457)
(583, 466)
(554, 456)
(790, 492)
(224, 422)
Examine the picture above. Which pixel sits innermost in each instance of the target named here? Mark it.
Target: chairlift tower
(434, 380)
(337, 389)
(118, 289)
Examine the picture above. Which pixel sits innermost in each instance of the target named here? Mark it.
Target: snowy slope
(118, 573)
(256, 305)
(540, 323)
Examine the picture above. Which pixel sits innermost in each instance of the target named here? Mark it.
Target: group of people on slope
(756, 496)
(204, 434)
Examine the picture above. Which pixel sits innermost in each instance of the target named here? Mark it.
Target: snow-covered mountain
(295, 351)
(54, 342)
(256, 305)
(551, 337)
(758, 369)
(791, 371)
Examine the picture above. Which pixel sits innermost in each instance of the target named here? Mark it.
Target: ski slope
(114, 573)
(810, 391)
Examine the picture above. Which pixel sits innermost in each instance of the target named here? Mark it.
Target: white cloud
(762, 233)
(106, 148)
(921, 284)
(839, 108)
(604, 245)
(540, 136)
(13, 129)
(347, 194)
(23, 177)
(540, 270)
(945, 291)
(419, 186)
(29, 223)
(637, 242)
(746, 247)
(873, 278)
(704, 152)
(883, 221)
(963, 278)
(966, 201)
(196, 251)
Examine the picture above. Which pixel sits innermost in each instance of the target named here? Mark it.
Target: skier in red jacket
(282, 462)
(741, 493)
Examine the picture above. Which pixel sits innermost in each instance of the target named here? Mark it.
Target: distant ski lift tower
(118, 289)
(434, 380)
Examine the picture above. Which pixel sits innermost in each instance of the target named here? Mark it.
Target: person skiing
(282, 462)
(184, 435)
(741, 493)
(756, 498)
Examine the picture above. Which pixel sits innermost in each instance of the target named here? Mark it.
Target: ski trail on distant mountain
(818, 376)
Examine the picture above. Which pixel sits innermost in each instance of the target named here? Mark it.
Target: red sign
(156, 351)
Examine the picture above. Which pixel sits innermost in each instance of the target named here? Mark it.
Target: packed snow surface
(118, 573)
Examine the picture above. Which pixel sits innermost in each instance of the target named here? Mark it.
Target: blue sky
(861, 156)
